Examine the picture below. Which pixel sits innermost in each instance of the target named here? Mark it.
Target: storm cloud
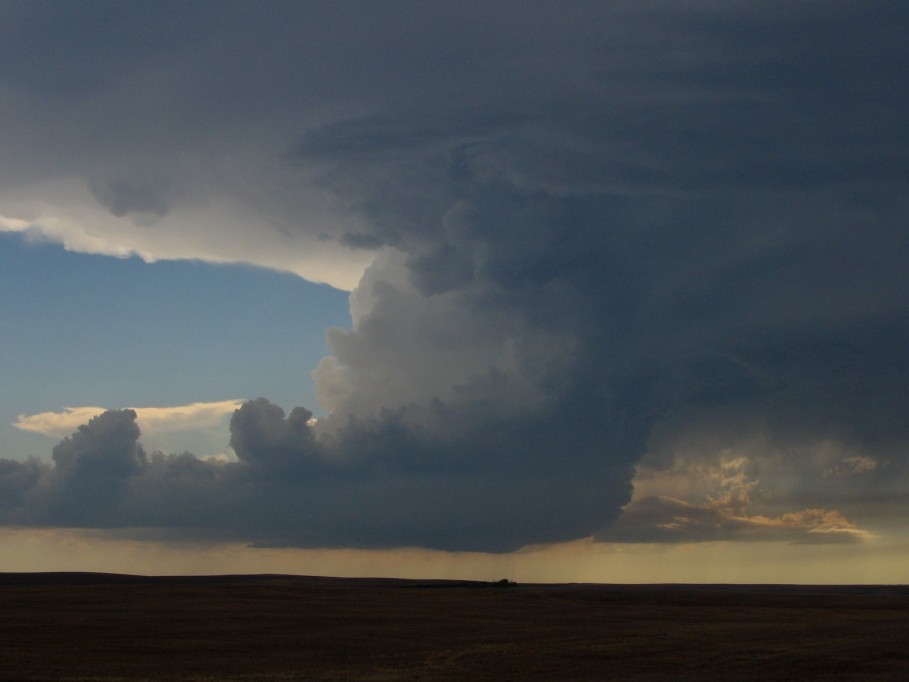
(593, 231)
(376, 483)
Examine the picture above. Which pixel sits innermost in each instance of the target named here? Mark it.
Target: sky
(601, 292)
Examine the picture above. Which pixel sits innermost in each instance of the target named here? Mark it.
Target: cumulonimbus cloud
(575, 226)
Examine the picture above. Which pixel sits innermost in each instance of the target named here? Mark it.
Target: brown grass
(97, 627)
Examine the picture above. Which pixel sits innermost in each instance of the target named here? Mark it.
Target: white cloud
(215, 228)
(8, 224)
(57, 424)
(151, 420)
(184, 417)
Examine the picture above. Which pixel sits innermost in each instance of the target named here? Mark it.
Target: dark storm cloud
(375, 483)
(601, 221)
(706, 217)
(125, 196)
(16, 480)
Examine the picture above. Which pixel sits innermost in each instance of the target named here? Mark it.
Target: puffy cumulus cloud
(86, 485)
(108, 445)
(587, 227)
(150, 419)
(375, 483)
(260, 434)
(406, 347)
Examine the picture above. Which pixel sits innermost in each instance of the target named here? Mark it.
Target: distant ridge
(278, 579)
(95, 578)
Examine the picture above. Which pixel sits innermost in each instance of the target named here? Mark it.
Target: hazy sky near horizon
(603, 279)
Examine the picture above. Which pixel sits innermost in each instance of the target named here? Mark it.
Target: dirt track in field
(108, 627)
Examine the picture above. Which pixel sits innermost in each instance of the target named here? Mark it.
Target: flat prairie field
(78, 626)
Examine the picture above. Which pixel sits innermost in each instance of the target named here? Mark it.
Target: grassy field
(107, 627)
